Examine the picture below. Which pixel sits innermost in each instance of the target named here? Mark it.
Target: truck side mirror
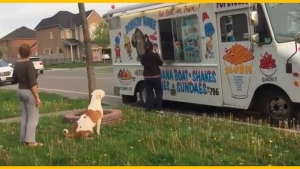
(297, 37)
(289, 66)
(253, 18)
(255, 38)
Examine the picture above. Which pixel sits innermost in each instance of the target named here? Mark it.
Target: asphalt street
(74, 84)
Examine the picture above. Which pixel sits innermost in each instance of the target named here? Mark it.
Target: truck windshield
(285, 20)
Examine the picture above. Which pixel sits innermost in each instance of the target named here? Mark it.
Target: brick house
(34, 50)
(10, 43)
(62, 34)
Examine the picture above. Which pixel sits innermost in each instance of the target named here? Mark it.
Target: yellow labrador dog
(92, 117)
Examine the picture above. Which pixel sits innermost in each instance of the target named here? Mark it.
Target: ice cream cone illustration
(127, 46)
(209, 32)
(209, 48)
(238, 62)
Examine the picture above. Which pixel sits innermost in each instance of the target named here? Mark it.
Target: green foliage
(101, 35)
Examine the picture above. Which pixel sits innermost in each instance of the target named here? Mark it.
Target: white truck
(236, 55)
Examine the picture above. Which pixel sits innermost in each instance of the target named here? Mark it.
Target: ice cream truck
(235, 55)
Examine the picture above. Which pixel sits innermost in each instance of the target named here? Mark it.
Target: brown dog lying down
(91, 117)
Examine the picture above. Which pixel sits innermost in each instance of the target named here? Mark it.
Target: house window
(62, 34)
(49, 51)
(69, 34)
(51, 35)
(179, 38)
(234, 28)
(57, 49)
(45, 51)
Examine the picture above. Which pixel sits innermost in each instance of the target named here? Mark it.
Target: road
(73, 83)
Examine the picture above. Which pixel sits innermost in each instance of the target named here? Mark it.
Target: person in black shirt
(26, 76)
(151, 62)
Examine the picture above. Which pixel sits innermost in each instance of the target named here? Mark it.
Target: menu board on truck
(190, 37)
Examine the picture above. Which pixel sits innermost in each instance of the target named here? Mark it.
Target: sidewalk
(16, 119)
(53, 69)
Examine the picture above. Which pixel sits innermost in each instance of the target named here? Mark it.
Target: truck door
(235, 58)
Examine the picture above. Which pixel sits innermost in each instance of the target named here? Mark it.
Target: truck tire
(276, 105)
(143, 94)
(42, 71)
(128, 99)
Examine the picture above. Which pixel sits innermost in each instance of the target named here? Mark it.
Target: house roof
(20, 33)
(33, 45)
(69, 42)
(64, 19)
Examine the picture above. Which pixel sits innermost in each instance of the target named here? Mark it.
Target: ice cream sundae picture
(267, 64)
(125, 77)
(209, 31)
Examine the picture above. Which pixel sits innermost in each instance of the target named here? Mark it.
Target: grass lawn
(9, 104)
(154, 139)
(79, 65)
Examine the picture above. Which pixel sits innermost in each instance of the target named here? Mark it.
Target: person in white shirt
(156, 49)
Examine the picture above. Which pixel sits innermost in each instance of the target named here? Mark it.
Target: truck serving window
(180, 38)
(234, 28)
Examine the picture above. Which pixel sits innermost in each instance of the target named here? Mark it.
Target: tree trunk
(88, 50)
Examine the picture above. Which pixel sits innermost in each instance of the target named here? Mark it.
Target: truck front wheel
(128, 99)
(276, 105)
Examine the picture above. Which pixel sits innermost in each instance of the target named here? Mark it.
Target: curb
(17, 119)
(109, 116)
(75, 68)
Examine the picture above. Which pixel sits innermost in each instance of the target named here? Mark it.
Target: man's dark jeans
(151, 101)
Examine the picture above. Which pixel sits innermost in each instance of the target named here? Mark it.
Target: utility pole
(88, 50)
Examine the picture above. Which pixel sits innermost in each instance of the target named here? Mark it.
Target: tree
(88, 50)
(1, 54)
(101, 36)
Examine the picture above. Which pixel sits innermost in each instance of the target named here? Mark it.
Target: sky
(16, 15)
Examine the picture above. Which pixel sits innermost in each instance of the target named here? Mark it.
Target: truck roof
(134, 7)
